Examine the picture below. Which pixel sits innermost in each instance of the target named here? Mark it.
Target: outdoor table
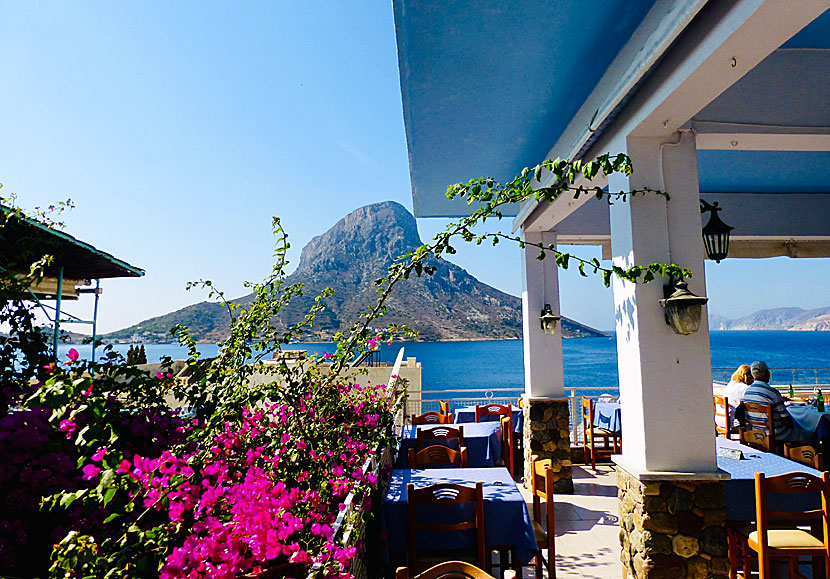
(811, 420)
(482, 439)
(507, 523)
(740, 489)
(607, 415)
(468, 414)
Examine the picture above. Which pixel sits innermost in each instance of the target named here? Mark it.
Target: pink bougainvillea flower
(328, 355)
(72, 354)
(159, 375)
(68, 427)
(168, 375)
(124, 467)
(88, 391)
(99, 454)
(90, 471)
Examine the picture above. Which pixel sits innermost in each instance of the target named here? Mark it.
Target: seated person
(734, 391)
(786, 430)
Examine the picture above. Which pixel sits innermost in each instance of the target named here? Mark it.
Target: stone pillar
(546, 430)
(672, 529)
(547, 435)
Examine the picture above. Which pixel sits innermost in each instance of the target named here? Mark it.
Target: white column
(665, 378)
(542, 352)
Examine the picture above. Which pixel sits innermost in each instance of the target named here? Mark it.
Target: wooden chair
(791, 543)
(507, 440)
(759, 417)
(448, 495)
(757, 439)
(431, 418)
(508, 450)
(444, 409)
(439, 435)
(452, 570)
(806, 455)
(594, 434)
(722, 413)
(542, 488)
(438, 457)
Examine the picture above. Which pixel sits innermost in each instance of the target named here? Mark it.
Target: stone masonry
(547, 435)
(672, 529)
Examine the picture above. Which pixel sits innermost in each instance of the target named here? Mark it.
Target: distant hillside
(795, 319)
(449, 305)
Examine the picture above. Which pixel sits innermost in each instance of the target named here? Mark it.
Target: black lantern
(682, 308)
(548, 320)
(715, 233)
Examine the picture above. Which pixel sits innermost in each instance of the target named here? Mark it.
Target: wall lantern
(548, 320)
(715, 233)
(682, 308)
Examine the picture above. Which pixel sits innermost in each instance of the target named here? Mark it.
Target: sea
(590, 363)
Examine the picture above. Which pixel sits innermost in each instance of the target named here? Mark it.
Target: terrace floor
(587, 527)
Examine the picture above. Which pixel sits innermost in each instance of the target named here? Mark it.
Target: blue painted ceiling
(764, 171)
(814, 35)
(488, 85)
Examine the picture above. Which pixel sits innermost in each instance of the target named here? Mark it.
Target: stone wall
(547, 435)
(672, 529)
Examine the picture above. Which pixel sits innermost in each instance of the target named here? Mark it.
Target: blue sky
(179, 129)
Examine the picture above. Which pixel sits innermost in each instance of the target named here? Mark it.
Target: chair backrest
(444, 407)
(438, 457)
(757, 439)
(587, 414)
(759, 417)
(449, 495)
(541, 485)
(722, 422)
(790, 483)
(492, 409)
(427, 436)
(507, 442)
(430, 418)
(452, 570)
(806, 455)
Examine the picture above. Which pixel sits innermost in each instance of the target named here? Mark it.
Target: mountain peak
(451, 304)
(380, 230)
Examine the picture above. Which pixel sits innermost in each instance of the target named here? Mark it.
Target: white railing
(804, 381)
(784, 376)
(458, 398)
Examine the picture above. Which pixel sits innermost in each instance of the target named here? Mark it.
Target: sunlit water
(589, 362)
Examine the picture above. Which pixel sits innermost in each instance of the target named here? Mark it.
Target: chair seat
(787, 539)
(597, 431)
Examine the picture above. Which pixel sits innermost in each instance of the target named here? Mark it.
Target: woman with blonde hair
(734, 391)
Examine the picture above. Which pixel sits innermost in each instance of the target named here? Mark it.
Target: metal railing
(784, 376)
(804, 381)
(417, 404)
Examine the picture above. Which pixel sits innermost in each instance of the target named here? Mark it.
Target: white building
(721, 100)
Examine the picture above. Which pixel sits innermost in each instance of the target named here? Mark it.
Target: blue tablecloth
(811, 420)
(740, 490)
(607, 415)
(506, 520)
(468, 414)
(483, 442)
